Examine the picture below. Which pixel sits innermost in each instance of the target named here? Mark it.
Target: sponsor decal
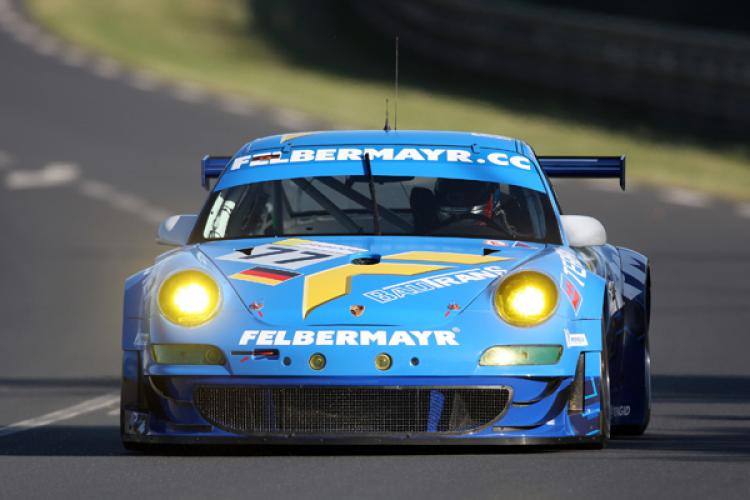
(452, 307)
(257, 354)
(357, 310)
(428, 284)
(521, 244)
(572, 267)
(495, 243)
(293, 253)
(449, 155)
(621, 411)
(335, 282)
(571, 291)
(349, 337)
(256, 307)
(575, 339)
(329, 284)
(264, 275)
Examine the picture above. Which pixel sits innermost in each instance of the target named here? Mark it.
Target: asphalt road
(92, 156)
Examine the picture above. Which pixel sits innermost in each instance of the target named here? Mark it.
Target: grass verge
(313, 57)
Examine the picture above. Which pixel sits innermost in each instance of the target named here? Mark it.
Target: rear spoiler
(553, 166)
(584, 166)
(212, 167)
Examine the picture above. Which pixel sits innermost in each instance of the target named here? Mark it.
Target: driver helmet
(456, 197)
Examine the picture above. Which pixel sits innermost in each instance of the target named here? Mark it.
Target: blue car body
(434, 325)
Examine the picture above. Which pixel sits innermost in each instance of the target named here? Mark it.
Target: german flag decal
(264, 275)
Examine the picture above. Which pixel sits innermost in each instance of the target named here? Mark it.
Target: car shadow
(701, 435)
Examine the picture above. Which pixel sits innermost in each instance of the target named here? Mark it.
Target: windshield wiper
(371, 182)
(364, 201)
(327, 205)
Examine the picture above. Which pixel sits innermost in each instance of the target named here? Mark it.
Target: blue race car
(387, 287)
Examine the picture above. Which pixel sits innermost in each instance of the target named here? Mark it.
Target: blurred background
(668, 82)
(106, 109)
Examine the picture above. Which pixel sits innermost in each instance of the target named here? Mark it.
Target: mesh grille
(321, 410)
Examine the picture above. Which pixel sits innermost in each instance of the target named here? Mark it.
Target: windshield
(342, 205)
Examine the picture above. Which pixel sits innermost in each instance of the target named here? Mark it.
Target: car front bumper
(166, 409)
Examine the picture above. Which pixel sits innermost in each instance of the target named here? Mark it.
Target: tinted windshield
(342, 205)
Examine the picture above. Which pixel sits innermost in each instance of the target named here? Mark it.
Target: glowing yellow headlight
(189, 298)
(526, 298)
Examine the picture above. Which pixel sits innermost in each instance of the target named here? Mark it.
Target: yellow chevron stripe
(446, 257)
(336, 282)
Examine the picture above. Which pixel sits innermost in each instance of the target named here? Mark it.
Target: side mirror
(175, 230)
(583, 231)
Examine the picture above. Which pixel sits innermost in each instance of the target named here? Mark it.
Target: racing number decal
(330, 284)
(284, 256)
(292, 254)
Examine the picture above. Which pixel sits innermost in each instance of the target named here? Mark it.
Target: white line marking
(608, 185)
(686, 198)
(189, 93)
(291, 120)
(236, 106)
(122, 201)
(88, 406)
(47, 45)
(74, 56)
(24, 32)
(54, 174)
(743, 209)
(10, 18)
(106, 68)
(144, 81)
(115, 412)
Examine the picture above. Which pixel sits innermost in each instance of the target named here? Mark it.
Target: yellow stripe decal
(289, 137)
(446, 257)
(293, 242)
(336, 282)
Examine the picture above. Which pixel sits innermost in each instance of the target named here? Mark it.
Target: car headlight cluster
(526, 298)
(189, 298)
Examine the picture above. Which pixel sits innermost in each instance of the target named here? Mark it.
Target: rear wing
(594, 167)
(212, 167)
(554, 166)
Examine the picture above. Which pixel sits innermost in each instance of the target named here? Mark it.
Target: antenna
(387, 126)
(395, 101)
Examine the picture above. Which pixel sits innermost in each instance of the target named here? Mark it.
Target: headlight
(189, 298)
(526, 298)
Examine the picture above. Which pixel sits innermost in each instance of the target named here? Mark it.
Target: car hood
(373, 280)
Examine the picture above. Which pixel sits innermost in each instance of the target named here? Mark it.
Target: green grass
(316, 58)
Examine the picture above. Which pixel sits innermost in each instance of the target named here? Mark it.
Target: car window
(342, 205)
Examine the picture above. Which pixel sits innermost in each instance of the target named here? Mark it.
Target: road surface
(93, 155)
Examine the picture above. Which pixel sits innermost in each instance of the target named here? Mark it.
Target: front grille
(375, 410)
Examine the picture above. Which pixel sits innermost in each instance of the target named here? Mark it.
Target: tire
(638, 430)
(645, 355)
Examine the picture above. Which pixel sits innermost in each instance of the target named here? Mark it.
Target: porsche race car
(387, 287)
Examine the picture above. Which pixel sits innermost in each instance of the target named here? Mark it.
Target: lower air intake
(353, 410)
